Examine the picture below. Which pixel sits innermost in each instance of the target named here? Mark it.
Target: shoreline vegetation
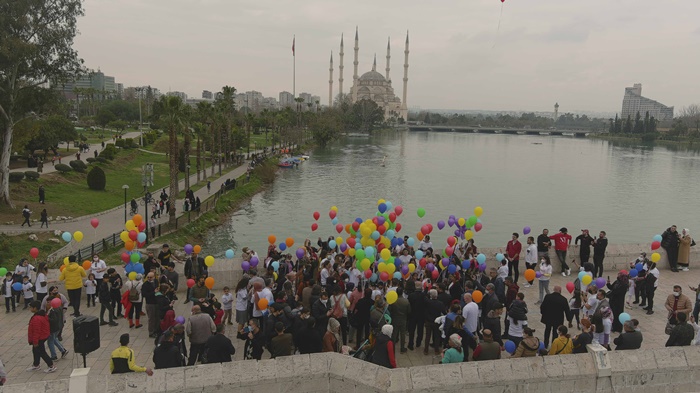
(674, 142)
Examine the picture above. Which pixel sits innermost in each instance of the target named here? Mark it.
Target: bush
(101, 159)
(16, 177)
(109, 151)
(120, 143)
(129, 143)
(90, 160)
(63, 168)
(78, 166)
(31, 175)
(96, 179)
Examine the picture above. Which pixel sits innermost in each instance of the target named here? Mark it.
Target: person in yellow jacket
(73, 275)
(122, 359)
(562, 345)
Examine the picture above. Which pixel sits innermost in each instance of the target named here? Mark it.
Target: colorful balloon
(570, 287)
(529, 274)
(478, 211)
(271, 239)
(78, 236)
(391, 297)
(655, 257)
(421, 212)
(229, 254)
(66, 237)
(209, 283)
(209, 261)
(477, 296)
(94, 222)
(317, 215)
(34, 252)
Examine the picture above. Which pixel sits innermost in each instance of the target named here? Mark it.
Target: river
(629, 190)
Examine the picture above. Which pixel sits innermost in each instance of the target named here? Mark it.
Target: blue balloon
(419, 255)
(390, 234)
(624, 317)
(275, 265)
(374, 277)
(657, 238)
(141, 237)
(229, 254)
(581, 275)
(129, 268)
(138, 268)
(17, 286)
(388, 205)
(332, 244)
(358, 220)
(452, 269)
(358, 246)
(399, 240)
(67, 237)
(381, 207)
(481, 258)
(541, 345)
(499, 257)
(369, 252)
(634, 273)
(411, 241)
(335, 221)
(375, 235)
(510, 347)
(397, 275)
(465, 265)
(639, 266)
(282, 246)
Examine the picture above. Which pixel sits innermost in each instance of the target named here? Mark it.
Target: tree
(627, 129)
(104, 116)
(618, 124)
(638, 124)
(326, 127)
(36, 39)
(367, 114)
(170, 114)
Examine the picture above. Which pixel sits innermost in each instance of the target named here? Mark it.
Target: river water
(629, 190)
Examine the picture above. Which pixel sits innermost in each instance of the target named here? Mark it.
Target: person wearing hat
(73, 275)
(384, 348)
(123, 359)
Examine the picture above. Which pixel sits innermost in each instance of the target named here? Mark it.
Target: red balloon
(94, 222)
(133, 235)
(451, 241)
(355, 226)
(430, 227)
(424, 230)
(384, 276)
(56, 302)
(435, 274)
(655, 245)
(368, 274)
(125, 257)
(477, 226)
(375, 220)
(380, 247)
(449, 251)
(503, 1)
(34, 252)
(351, 242)
(190, 283)
(339, 228)
(381, 229)
(317, 215)
(423, 262)
(332, 214)
(142, 226)
(398, 227)
(392, 216)
(570, 287)
(398, 210)
(314, 226)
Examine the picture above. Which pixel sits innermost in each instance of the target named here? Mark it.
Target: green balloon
(360, 255)
(135, 257)
(472, 221)
(3, 271)
(421, 212)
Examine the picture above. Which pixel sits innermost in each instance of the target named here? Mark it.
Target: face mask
(324, 301)
(542, 260)
(676, 294)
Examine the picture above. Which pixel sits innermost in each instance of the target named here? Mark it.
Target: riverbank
(628, 140)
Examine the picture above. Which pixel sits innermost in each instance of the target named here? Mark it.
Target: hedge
(78, 166)
(96, 179)
(63, 168)
(31, 175)
(108, 152)
(16, 177)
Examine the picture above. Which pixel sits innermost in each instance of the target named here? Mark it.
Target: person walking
(670, 241)
(26, 213)
(42, 194)
(133, 290)
(38, 332)
(199, 328)
(123, 360)
(103, 294)
(599, 246)
(562, 240)
(148, 290)
(73, 276)
(56, 323)
(554, 309)
(42, 281)
(684, 249)
(44, 219)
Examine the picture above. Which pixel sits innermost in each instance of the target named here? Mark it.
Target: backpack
(134, 293)
(337, 309)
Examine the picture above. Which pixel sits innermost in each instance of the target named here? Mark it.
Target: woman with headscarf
(455, 353)
(618, 291)
(684, 249)
(332, 342)
(384, 348)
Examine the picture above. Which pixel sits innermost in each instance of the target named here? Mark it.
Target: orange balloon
(420, 235)
(86, 265)
(209, 282)
(262, 304)
(129, 245)
(197, 249)
(347, 229)
(529, 274)
(477, 296)
(271, 239)
(289, 242)
(137, 219)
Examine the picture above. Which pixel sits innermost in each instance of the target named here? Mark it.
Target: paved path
(16, 354)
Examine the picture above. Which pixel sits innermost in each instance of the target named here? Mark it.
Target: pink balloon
(34, 252)
(56, 302)
(94, 222)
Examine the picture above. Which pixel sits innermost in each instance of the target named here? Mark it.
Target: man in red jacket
(38, 332)
(562, 240)
(513, 249)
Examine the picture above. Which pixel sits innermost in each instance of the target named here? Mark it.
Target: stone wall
(640, 371)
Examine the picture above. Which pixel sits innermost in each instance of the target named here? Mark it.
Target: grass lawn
(258, 141)
(12, 248)
(69, 195)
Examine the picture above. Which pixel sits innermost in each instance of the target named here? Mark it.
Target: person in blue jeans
(56, 326)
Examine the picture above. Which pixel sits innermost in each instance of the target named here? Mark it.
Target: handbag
(337, 310)
(669, 327)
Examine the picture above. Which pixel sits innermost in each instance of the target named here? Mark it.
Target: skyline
(582, 56)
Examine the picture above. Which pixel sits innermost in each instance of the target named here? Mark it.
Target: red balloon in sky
(314, 226)
(398, 227)
(317, 215)
(392, 216)
(339, 228)
(398, 210)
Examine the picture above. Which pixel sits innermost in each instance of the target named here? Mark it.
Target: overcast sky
(579, 53)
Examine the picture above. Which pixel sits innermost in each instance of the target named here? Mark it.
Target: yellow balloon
(478, 211)
(461, 221)
(334, 208)
(132, 276)
(411, 268)
(365, 264)
(209, 260)
(274, 274)
(586, 279)
(124, 236)
(338, 240)
(655, 257)
(365, 231)
(391, 297)
(379, 202)
(386, 254)
(381, 267)
(66, 261)
(440, 265)
(468, 234)
(389, 268)
(351, 252)
(78, 236)
(130, 226)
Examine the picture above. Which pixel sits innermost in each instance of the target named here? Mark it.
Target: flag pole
(294, 69)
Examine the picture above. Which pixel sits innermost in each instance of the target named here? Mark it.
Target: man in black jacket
(321, 311)
(670, 241)
(167, 354)
(586, 241)
(417, 315)
(103, 293)
(599, 246)
(148, 290)
(543, 244)
(115, 292)
(308, 339)
(194, 269)
(554, 309)
(630, 339)
(433, 309)
(219, 347)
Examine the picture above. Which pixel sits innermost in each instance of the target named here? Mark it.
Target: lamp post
(125, 187)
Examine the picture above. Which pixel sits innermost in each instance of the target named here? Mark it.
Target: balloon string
(498, 30)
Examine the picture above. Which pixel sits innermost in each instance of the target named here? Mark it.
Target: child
(91, 289)
(28, 291)
(227, 301)
(7, 292)
(630, 293)
(218, 312)
(575, 307)
(503, 270)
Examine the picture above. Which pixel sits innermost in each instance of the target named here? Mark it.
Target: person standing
(513, 249)
(586, 241)
(149, 289)
(219, 347)
(562, 240)
(26, 213)
(42, 281)
(543, 243)
(44, 218)
(554, 310)
(545, 275)
(670, 241)
(415, 324)
(38, 332)
(73, 276)
(98, 268)
(199, 328)
(42, 194)
(599, 246)
(103, 294)
(684, 249)
(530, 257)
(56, 322)
(123, 361)
(651, 282)
(115, 292)
(133, 291)
(400, 311)
(384, 348)
(616, 298)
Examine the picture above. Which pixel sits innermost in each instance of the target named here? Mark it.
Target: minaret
(556, 112)
(330, 83)
(404, 106)
(374, 65)
(355, 63)
(388, 60)
(340, 68)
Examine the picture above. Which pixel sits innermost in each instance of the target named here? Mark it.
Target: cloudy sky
(579, 53)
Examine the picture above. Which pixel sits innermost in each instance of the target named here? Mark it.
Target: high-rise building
(207, 95)
(633, 102)
(286, 99)
(96, 81)
(183, 96)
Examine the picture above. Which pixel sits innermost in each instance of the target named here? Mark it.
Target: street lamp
(125, 187)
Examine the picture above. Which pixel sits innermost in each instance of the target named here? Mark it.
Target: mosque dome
(372, 76)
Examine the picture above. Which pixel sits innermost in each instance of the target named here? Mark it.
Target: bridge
(497, 130)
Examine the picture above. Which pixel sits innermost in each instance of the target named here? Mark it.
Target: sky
(581, 54)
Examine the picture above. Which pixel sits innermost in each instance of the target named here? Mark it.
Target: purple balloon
(457, 232)
(441, 224)
(254, 261)
(526, 230)
(300, 253)
(245, 265)
(445, 261)
(404, 269)
(600, 282)
(381, 220)
(430, 267)
(453, 218)
(180, 320)
(188, 249)
(482, 267)
(538, 274)
(343, 247)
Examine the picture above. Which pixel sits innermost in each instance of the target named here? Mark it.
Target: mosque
(372, 85)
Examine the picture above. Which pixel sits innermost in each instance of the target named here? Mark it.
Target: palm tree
(204, 131)
(226, 106)
(171, 115)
